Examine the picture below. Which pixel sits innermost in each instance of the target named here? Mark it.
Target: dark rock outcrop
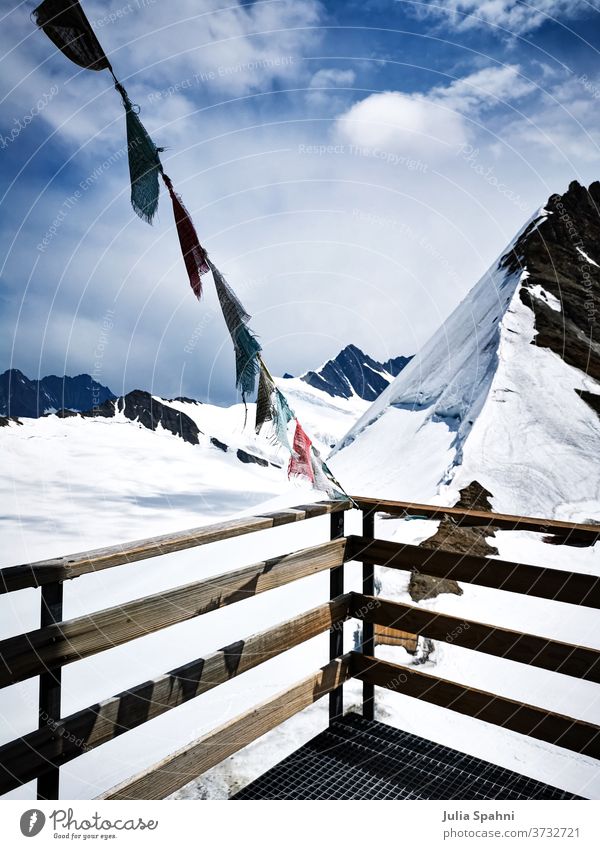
(142, 407)
(6, 420)
(455, 537)
(185, 400)
(250, 458)
(554, 253)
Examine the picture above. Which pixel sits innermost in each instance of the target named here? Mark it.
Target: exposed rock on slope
(353, 372)
(561, 256)
(454, 537)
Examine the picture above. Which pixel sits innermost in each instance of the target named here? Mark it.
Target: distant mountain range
(354, 373)
(20, 396)
(351, 374)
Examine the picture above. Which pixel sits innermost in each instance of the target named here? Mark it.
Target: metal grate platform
(359, 759)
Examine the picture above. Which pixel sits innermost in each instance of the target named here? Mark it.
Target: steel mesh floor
(359, 759)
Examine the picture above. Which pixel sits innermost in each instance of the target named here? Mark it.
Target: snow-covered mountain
(355, 374)
(20, 396)
(506, 392)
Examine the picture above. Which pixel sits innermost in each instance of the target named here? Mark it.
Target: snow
(325, 418)
(441, 391)
(547, 297)
(588, 258)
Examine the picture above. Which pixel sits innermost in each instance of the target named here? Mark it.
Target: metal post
(50, 683)
(336, 635)
(368, 642)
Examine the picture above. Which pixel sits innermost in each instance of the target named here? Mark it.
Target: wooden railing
(44, 651)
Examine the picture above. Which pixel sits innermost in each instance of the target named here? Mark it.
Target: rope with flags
(67, 26)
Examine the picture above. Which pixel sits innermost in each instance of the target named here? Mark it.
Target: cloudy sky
(352, 167)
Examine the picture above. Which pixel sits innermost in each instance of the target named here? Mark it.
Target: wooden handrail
(57, 645)
(572, 532)
(72, 566)
(188, 763)
(576, 661)
(574, 734)
(57, 743)
(554, 584)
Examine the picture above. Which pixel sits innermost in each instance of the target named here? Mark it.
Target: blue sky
(353, 169)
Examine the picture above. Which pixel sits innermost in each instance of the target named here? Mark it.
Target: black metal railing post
(50, 685)
(336, 635)
(368, 588)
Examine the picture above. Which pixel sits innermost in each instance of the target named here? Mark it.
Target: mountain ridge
(352, 372)
(22, 397)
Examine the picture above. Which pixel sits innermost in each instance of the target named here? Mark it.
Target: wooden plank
(386, 636)
(188, 763)
(56, 645)
(72, 566)
(368, 635)
(567, 531)
(555, 584)
(576, 661)
(27, 757)
(49, 703)
(336, 635)
(573, 734)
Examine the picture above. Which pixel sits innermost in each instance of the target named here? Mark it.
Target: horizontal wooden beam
(72, 566)
(197, 757)
(577, 661)
(573, 734)
(555, 584)
(568, 532)
(59, 742)
(57, 645)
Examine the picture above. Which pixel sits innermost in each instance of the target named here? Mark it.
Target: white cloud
(324, 84)
(434, 123)
(483, 89)
(512, 15)
(393, 121)
(332, 77)
(247, 47)
(564, 123)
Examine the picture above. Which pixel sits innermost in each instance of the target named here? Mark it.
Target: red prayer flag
(194, 254)
(300, 461)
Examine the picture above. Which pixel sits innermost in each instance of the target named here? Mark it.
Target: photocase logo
(32, 822)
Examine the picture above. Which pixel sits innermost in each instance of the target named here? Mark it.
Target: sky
(353, 168)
